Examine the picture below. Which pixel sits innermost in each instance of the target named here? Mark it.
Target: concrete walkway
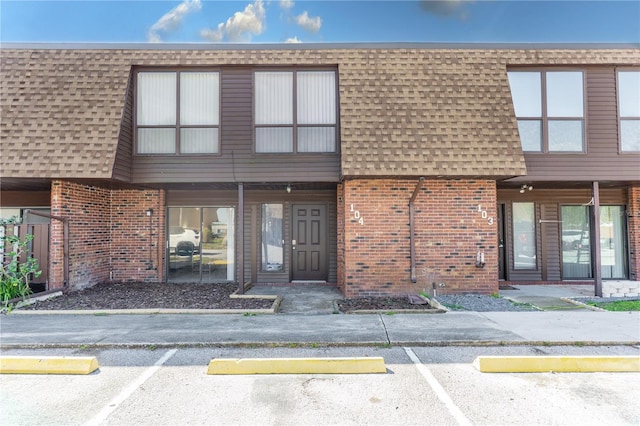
(452, 328)
(549, 297)
(302, 299)
(308, 318)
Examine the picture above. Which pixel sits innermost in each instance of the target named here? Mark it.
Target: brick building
(377, 168)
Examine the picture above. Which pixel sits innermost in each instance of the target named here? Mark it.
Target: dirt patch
(387, 304)
(139, 295)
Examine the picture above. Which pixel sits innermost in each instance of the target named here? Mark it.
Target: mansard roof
(405, 110)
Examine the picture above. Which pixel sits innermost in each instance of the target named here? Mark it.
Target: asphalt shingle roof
(403, 111)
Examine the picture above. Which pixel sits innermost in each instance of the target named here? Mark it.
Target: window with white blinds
(178, 112)
(295, 111)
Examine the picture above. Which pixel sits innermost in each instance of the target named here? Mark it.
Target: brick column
(56, 239)
(633, 209)
(86, 208)
(340, 236)
(454, 220)
(137, 250)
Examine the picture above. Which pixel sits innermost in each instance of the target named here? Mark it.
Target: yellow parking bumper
(47, 365)
(351, 365)
(540, 364)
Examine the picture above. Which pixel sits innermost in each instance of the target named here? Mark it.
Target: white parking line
(126, 392)
(438, 389)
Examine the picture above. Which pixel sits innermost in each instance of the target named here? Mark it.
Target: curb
(349, 365)
(98, 312)
(47, 365)
(564, 364)
(306, 344)
(584, 305)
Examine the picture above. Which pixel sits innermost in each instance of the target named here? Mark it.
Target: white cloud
(310, 24)
(286, 4)
(240, 26)
(172, 19)
(293, 40)
(454, 8)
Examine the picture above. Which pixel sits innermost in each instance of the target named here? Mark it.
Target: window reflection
(272, 238)
(201, 244)
(576, 248)
(524, 236)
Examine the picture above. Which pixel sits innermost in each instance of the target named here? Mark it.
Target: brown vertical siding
(253, 200)
(237, 161)
(550, 235)
(250, 228)
(256, 198)
(332, 217)
(202, 198)
(602, 160)
(25, 198)
(124, 153)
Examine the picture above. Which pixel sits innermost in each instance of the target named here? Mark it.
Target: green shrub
(14, 271)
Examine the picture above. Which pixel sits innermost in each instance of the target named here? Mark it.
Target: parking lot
(422, 385)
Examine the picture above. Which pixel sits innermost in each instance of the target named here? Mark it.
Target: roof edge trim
(312, 46)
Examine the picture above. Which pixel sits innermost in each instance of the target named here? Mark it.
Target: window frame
(515, 235)
(619, 117)
(264, 262)
(177, 126)
(295, 125)
(544, 118)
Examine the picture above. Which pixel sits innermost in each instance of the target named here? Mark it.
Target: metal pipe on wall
(412, 249)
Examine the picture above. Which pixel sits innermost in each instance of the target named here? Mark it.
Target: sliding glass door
(201, 244)
(576, 250)
(576, 242)
(613, 242)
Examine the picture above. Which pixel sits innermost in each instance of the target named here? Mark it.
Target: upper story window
(549, 106)
(295, 111)
(629, 110)
(178, 112)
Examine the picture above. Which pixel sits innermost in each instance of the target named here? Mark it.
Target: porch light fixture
(525, 187)
(288, 189)
(149, 212)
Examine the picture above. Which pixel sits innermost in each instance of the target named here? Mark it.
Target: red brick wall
(450, 230)
(340, 236)
(136, 239)
(56, 245)
(633, 208)
(87, 209)
(110, 235)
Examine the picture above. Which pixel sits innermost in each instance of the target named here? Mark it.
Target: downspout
(65, 245)
(412, 248)
(595, 240)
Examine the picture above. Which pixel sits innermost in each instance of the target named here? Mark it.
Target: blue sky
(277, 21)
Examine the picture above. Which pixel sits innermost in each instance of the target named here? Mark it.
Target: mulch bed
(140, 295)
(388, 304)
(137, 295)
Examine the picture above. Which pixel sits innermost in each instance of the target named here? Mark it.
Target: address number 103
(485, 215)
